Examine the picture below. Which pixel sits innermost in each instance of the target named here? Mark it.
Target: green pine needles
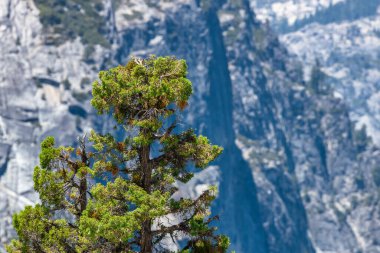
(111, 195)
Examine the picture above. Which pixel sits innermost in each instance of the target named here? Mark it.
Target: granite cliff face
(295, 175)
(343, 36)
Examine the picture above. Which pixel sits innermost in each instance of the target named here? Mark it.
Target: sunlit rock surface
(295, 175)
(343, 35)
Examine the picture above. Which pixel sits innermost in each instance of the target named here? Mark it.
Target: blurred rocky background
(290, 88)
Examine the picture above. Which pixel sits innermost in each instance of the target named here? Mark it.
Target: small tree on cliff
(132, 209)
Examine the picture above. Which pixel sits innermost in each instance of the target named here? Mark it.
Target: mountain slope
(343, 36)
(295, 175)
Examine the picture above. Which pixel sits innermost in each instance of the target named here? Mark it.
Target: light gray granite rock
(293, 177)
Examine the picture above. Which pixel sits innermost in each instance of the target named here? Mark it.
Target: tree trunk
(82, 195)
(146, 168)
(146, 241)
(146, 237)
(83, 181)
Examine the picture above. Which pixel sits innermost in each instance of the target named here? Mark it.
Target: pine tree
(361, 138)
(115, 194)
(317, 78)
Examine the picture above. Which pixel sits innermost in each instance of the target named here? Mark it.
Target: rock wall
(295, 175)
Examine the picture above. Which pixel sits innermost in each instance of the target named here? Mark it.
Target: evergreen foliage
(69, 19)
(348, 10)
(117, 195)
(376, 176)
(317, 78)
(361, 139)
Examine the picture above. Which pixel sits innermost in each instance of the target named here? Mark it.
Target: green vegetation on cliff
(67, 19)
